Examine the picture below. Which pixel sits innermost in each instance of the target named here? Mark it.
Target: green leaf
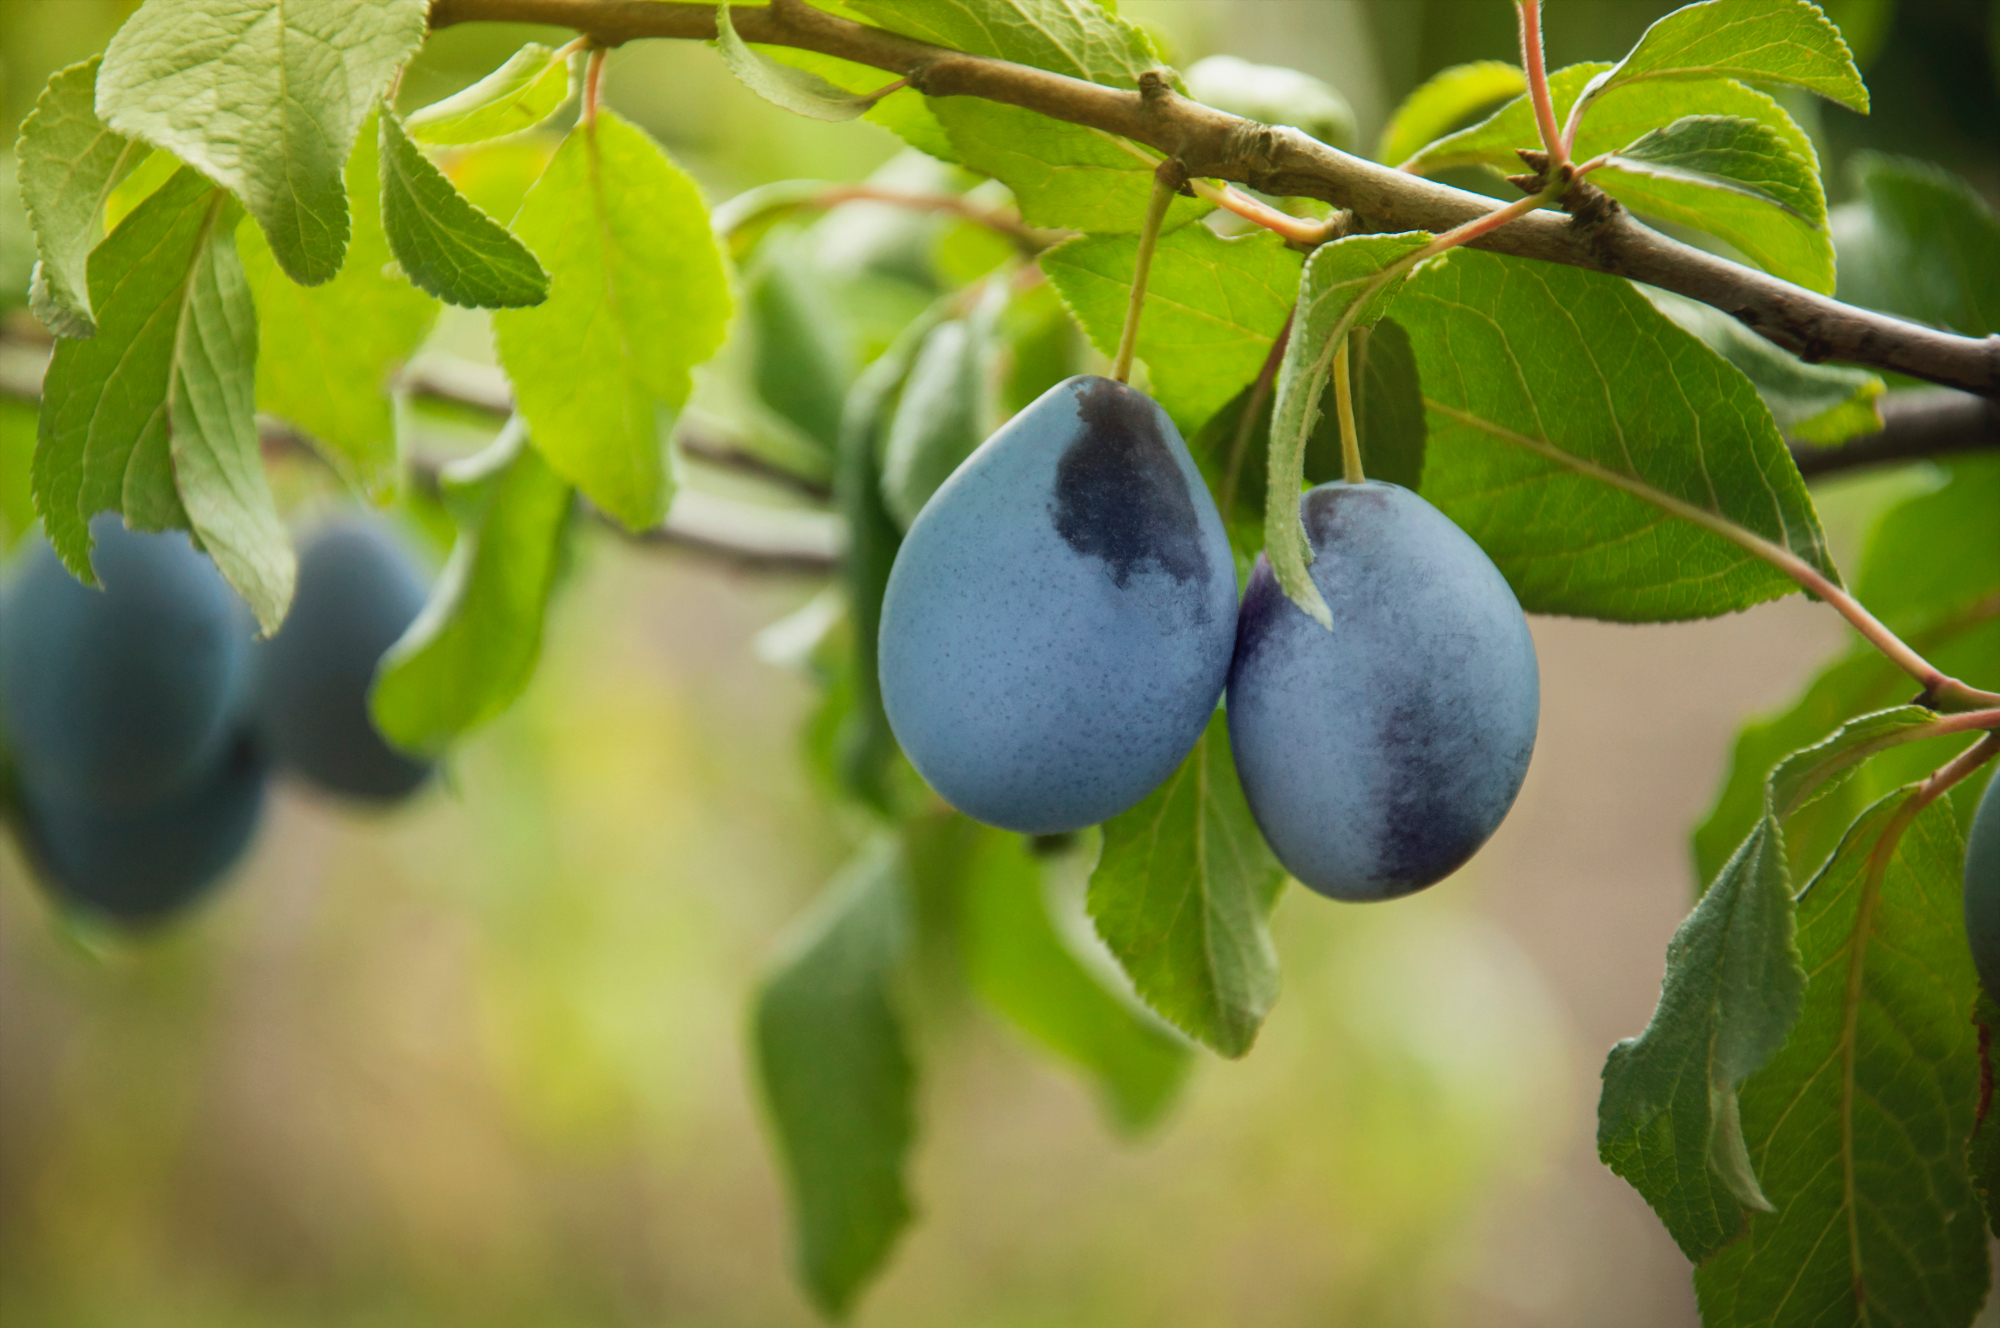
(797, 90)
(1922, 243)
(154, 417)
(905, 112)
(1022, 962)
(945, 411)
(1182, 895)
(1597, 452)
(67, 164)
(1062, 175)
(1347, 284)
(330, 351)
(448, 247)
(1388, 411)
(637, 298)
(1982, 1151)
(1818, 403)
(17, 453)
(1858, 1125)
(1272, 94)
(1448, 98)
(264, 97)
(1761, 41)
(473, 649)
(1080, 38)
(1213, 308)
(800, 361)
(532, 86)
(837, 1075)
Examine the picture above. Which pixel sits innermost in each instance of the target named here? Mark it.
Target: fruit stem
(1343, 406)
(1260, 396)
(1533, 63)
(1167, 181)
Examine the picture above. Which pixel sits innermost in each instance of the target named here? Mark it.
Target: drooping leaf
(797, 90)
(264, 97)
(1347, 284)
(1446, 99)
(1921, 243)
(330, 351)
(447, 246)
(1595, 450)
(154, 417)
(944, 412)
(1020, 960)
(1815, 403)
(1726, 151)
(67, 164)
(637, 298)
(1762, 41)
(837, 1076)
(1857, 1127)
(472, 650)
(1213, 307)
(529, 88)
(1273, 94)
(1182, 895)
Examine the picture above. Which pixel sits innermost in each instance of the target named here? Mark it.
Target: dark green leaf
(1762, 41)
(155, 417)
(1982, 1152)
(1858, 1126)
(1388, 411)
(1182, 895)
(837, 1075)
(1272, 94)
(1447, 99)
(1921, 243)
(797, 90)
(68, 163)
(1725, 151)
(532, 86)
(474, 647)
(945, 411)
(800, 361)
(264, 97)
(1607, 461)
(637, 298)
(447, 246)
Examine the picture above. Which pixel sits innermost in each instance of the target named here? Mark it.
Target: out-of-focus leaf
(67, 164)
(1762, 41)
(17, 240)
(329, 351)
(473, 648)
(447, 246)
(838, 1078)
(1449, 97)
(264, 97)
(532, 86)
(1272, 94)
(1182, 895)
(1062, 175)
(1857, 1127)
(800, 362)
(945, 411)
(1921, 243)
(1021, 963)
(1213, 307)
(497, 176)
(904, 113)
(1594, 449)
(797, 90)
(637, 298)
(1982, 1152)
(17, 453)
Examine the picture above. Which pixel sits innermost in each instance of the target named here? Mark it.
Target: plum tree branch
(1283, 162)
(1928, 423)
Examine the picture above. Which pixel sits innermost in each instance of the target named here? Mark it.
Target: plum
(118, 697)
(1377, 757)
(1982, 888)
(138, 865)
(1058, 623)
(358, 589)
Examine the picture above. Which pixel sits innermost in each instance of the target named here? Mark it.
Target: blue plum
(120, 696)
(1059, 620)
(138, 865)
(1982, 888)
(358, 589)
(1377, 757)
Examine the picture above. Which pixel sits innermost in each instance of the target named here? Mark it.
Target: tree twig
(1927, 423)
(1286, 163)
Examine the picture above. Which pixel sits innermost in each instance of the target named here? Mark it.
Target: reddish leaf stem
(593, 82)
(1302, 230)
(1533, 62)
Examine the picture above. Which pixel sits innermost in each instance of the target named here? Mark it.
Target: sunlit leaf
(797, 90)
(67, 164)
(1445, 100)
(1080, 38)
(529, 88)
(1763, 41)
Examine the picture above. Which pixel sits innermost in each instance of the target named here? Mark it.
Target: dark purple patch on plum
(1332, 511)
(1256, 616)
(1426, 833)
(1120, 497)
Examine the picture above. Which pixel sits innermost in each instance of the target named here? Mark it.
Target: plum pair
(1062, 619)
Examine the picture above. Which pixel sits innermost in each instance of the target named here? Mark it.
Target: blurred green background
(483, 1061)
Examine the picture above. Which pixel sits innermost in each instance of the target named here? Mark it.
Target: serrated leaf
(637, 298)
(1857, 1127)
(1446, 99)
(472, 650)
(1347, 284)
(797, 90)
(154, 417)
(330, 351)
(1731, 153)
(529, 88)
(1806, 776)
(264, 97)
(1213, 308)
(1922, 243)
(1080, 38)
(837, 1076)
(446, 246)
(1763, 41)
(67, 164)
(1021, 962)
(1182, 895)
(1595, 450)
